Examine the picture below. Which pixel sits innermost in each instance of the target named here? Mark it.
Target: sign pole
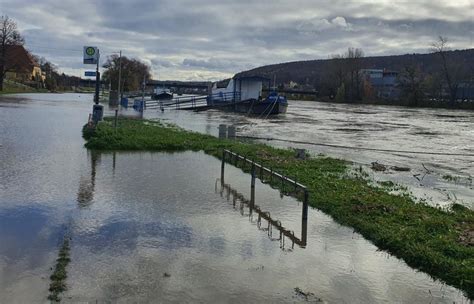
(97, 81)
(91, 56)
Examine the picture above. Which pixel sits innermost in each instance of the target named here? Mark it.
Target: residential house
(21, 66)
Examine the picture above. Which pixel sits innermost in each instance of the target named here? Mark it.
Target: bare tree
(9, 36)
(344, 70)
(433, 84)
(335, 75)
(411, 83)
(338, 69)
(441, 47)
(353, 57)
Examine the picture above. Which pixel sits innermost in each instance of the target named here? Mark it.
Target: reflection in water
(271, 223)
(85, 194)
(125, 236)
(114, 161)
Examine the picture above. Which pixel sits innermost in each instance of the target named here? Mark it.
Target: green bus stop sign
(91, 55)
(90, 51)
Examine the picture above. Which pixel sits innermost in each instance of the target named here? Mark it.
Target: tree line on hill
(420, 78)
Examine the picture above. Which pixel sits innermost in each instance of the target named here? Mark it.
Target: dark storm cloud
(211, 39)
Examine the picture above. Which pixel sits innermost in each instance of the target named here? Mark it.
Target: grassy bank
(10, 87)
(435, 241)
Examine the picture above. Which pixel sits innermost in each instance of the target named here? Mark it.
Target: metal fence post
(305, 206)
(252, 185)
(304, 219)
(222, 166)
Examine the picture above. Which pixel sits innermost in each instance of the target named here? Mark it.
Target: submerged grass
(58, 278)
(425, 237)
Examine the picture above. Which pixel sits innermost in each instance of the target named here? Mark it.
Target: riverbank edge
(13, 92)
(426, 238)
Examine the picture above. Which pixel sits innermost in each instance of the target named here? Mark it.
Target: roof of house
(18, 59)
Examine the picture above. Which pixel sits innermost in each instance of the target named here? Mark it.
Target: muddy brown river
(157, 227)
(439, 180)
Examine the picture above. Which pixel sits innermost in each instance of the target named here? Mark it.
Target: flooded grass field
(155, 227)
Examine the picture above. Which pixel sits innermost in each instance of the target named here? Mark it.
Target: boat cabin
(239, 88)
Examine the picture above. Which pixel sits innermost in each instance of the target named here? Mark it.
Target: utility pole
(120, 78)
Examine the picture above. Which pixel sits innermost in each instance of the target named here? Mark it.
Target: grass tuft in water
(59, 276)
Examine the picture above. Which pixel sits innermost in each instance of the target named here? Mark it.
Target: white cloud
(340, 22)
(320, 25)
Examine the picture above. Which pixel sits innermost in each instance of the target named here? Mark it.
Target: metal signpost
(92, 56)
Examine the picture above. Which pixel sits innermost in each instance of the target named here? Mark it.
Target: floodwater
(157, 227)
(437, 179)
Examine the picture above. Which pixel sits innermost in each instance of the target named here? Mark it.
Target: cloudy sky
(214, 39)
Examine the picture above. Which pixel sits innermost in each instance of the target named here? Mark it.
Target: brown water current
(437, 179)
(157, 227)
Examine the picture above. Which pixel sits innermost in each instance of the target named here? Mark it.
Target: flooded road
(437, 179)
(155, 227)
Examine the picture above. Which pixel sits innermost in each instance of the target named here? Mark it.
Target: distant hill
(312, 71)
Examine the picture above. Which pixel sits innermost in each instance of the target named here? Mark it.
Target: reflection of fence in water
(264, 173)
(271, 223)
